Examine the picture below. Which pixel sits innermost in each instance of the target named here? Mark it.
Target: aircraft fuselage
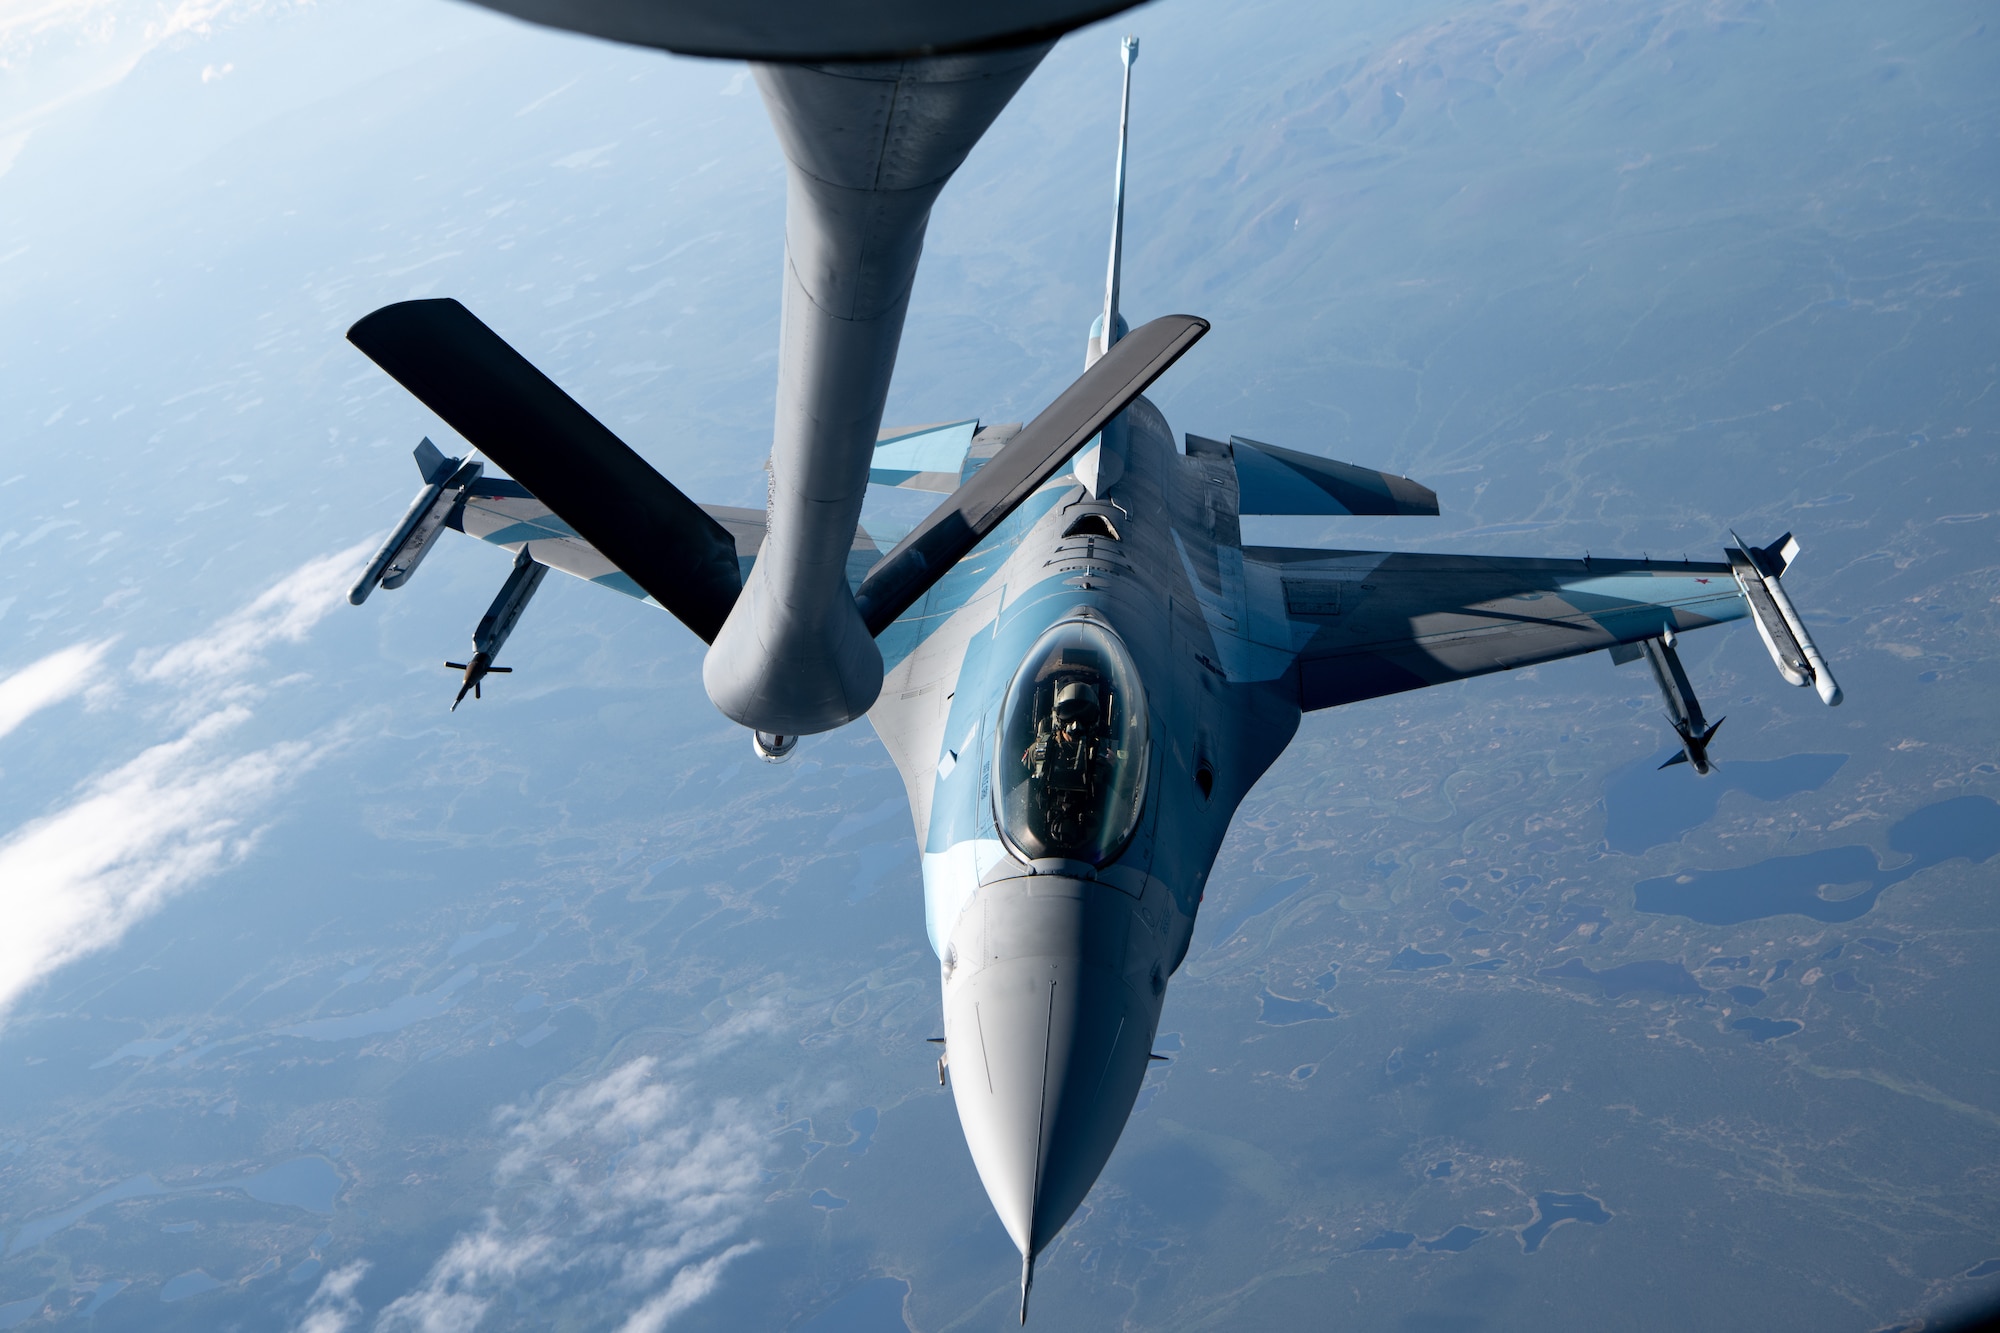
(1063, 872)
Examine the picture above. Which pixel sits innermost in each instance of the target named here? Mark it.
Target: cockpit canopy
(1071, 768)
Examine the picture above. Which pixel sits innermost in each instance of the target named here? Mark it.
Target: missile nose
(1047, 1057)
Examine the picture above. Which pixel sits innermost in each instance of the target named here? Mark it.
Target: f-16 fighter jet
(1076, 663)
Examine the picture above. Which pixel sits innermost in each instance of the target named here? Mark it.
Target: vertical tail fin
(1110, 325)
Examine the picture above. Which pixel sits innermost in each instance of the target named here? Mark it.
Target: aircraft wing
(1369, 623)
(506, 513)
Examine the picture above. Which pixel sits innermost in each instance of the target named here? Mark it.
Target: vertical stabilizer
(1110, 325)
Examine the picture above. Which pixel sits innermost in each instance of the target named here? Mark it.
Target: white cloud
(285, 613)
(54, 52)
(625, 1196)
(763, 1017)
(689, 1285)
(622, 1188)
(333, 1308)
(74, 881)
(49, 681)
(461, 1285)
(28, 24)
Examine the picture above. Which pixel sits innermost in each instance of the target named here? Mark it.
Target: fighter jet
(1075, 661)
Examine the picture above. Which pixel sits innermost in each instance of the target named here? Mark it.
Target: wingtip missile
(445, 481)
(1027, 1283)
(1758, 571)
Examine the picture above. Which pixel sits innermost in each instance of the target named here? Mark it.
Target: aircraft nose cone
(1048, 1050)
(1048, 1057)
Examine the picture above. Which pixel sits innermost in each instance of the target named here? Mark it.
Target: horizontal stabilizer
(507, 514)
(1283, 481)
(1031, 458)
(922, 458)
(522, 420)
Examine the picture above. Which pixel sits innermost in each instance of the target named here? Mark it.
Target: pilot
(1065, 746)
(1075, 710)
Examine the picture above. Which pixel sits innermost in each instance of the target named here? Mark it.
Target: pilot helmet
(1076, 701)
